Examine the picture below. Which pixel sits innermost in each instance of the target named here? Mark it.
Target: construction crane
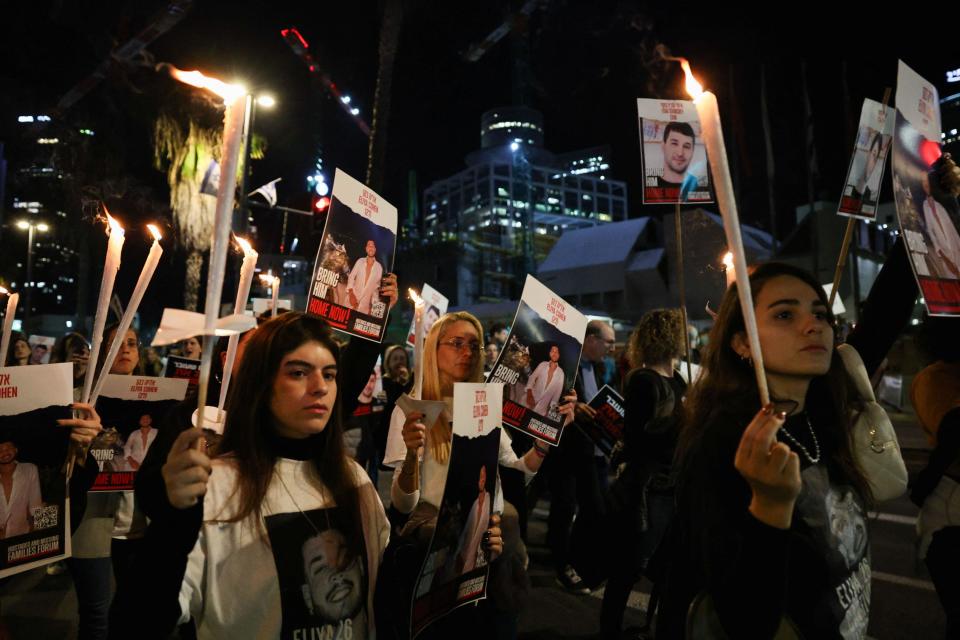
(516, 21)
(158, 25)
(299, 46)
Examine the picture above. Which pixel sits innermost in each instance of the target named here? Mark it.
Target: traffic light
(319, 205)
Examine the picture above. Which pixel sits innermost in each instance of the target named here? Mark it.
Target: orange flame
(115, 227)
(245, 246)
(694, 88)
(417, 300)
(728, 260)
(229, 92)
(155, 232)
(4, 291)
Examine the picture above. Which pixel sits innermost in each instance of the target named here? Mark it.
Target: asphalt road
(904, 606)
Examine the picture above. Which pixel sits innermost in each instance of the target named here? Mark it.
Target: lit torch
(418, 306)
(709, 114)
(110, 266)
(243, 292)
(8, 323)
(146, 275)
(234, 99)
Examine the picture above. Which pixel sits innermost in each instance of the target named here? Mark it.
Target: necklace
(323, 497)
(814, 459)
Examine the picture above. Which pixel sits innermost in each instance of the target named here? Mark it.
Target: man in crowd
(678, 139)
(577, 469)
(21, 492)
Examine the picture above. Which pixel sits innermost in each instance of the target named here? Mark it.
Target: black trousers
(943, 561)
(574, 481)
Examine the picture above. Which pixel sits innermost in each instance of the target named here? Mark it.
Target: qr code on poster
(46, 517)
(378, 308)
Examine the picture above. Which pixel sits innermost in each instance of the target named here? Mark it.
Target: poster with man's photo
(436, 305)
(928, 217)
(862, 187)
(356, 250)
(539, 361)
(321, 562)
(34, 510)
(606, 429)
(130, 408)
(456, 569)
(41, 347)
(672, 152)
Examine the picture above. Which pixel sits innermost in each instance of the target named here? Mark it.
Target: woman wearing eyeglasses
(421, 455)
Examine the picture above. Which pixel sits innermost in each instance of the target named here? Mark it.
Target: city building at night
(499, 217)
(36, 224)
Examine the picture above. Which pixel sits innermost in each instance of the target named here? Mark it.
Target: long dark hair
(108, 338)
(250, 424)
(727, 388)
(15, 336)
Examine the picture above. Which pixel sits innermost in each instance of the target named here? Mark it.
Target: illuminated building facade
(505, 211)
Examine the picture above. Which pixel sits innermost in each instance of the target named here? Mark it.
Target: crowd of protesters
(748, 519)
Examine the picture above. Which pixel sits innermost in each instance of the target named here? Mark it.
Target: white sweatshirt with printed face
(260, 580)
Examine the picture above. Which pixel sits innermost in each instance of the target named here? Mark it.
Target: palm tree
(183, 147)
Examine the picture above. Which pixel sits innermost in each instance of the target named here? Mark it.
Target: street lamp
(29, 227)
(265, 101)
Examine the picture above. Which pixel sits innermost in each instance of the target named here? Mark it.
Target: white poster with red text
(539, 361)
(356, 251)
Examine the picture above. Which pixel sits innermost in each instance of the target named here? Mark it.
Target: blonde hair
(439, 435)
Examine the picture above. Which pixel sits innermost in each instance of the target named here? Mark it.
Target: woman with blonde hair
(421, 455)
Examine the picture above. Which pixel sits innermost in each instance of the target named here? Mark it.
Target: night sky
(587, 63)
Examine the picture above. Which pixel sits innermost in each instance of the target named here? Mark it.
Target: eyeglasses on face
(460, 344)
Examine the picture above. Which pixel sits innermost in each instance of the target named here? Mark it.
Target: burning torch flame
(229, 92)
(247, 249)
(155, 232)
(3, 290)
(728, 260)
(113, 224)
(694, 88)
(417, 300)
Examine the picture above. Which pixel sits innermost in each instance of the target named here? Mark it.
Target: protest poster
(861, 189)
(672, 153)
(322, 570)
(607, 426)
(130, 408)
(928, 216)
(456, 570)
(362, 427)
(35, 518)
(436, 305)
(356, 250)
(40, 349)
(179, 367)
(539, 361)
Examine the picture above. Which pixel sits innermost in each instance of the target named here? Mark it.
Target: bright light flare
(269, 280)
(43, 226)
(155, 232)
(114, 226)
(23, 224)
(3, 291)
(266, 101)
(417, 300)
(694, 88)
(229, 92)
(246, 248)
(728, 260)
